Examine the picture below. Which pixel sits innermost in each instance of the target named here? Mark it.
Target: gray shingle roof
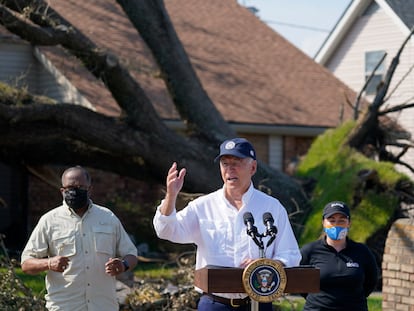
(404, 9)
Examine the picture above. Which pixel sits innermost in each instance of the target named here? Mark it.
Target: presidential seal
(264, 280)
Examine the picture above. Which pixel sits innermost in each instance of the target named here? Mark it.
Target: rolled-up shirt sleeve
(37, 245)
(176, 227)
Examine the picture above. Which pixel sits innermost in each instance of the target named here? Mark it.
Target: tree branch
(39, 133)
(369, 123)
(55, 30)
(358, 99)
(396, 108)
(136, 144)
(151, 19)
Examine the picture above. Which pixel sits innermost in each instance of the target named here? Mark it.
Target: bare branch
(399, 82)
(369, 123)
(56, 30)
(379, 98)
(396, 108)
(358, 98)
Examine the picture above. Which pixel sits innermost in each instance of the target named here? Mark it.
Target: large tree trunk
(137, 144)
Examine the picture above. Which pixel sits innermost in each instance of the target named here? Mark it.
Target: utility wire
(255, 11)
(297, 26)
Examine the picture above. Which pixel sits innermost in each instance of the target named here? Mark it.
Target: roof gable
(400, 11)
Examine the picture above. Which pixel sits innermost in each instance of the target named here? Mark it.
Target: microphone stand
(254, 305)
(258, 240)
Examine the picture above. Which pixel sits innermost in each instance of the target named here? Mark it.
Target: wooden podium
(301, 279)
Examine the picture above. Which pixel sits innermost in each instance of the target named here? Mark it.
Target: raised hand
(175, 180)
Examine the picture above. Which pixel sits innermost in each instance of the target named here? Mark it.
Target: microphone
(271, 229)
(251, 228)
(249, 222)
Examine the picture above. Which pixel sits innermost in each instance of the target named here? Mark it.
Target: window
(371, 61)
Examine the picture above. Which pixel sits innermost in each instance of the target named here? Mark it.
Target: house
(368, 30)
(267, 89)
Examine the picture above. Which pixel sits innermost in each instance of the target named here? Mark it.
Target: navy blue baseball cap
(335, 207)
(238, 147)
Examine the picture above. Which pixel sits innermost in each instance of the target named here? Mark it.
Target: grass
(289, 303)
(154, 271)
(374, 303)
(296, 303)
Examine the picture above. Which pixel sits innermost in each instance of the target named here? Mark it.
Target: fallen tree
(35, 131)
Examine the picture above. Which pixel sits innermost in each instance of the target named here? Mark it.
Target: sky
(305, 23)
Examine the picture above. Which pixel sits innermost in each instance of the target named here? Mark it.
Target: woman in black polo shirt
(348, 270)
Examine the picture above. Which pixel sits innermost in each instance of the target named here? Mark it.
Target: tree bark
(138, 143)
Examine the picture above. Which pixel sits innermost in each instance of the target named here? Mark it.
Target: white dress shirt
(218, 229)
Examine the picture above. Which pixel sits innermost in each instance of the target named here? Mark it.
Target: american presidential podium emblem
(264, 280)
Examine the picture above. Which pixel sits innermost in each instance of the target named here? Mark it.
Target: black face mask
(76, 198)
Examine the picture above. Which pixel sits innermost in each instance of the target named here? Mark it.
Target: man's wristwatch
(126, 265)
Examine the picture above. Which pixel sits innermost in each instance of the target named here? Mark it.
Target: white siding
(23, 66)
(373, 33)
(18, 67)
(59, 87)
(276, 152)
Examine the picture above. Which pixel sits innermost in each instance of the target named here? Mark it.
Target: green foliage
(16, 294)
(374, 303)
(289, 303)
(336, 168)
(20, 97)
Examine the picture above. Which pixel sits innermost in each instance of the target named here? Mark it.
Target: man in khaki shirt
(82, 246)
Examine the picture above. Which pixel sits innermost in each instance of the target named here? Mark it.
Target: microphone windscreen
(268, 217)
(248, 217)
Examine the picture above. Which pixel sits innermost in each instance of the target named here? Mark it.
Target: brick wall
(398, 267)
(260, 143)
(134, 202)
(294, 148)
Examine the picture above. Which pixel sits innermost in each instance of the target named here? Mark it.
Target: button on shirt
(88, 242)
(218, 229)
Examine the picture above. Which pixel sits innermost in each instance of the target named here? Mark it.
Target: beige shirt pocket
(64, 243)
(104, 239)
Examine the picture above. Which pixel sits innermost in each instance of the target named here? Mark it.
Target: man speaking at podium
(217, 222)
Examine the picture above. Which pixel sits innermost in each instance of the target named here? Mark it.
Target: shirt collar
(245, 197)
(69, 211)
